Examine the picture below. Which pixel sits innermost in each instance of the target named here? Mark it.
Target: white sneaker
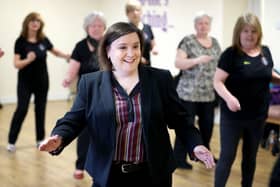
(38, 143)
(11, 148)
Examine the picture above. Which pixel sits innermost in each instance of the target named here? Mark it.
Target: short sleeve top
(248, 81)
(38, 68)
(196, 84)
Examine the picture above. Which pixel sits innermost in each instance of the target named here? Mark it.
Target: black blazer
(94, 107)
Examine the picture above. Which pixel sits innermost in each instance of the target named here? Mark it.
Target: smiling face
(125, 53)
(248, 37)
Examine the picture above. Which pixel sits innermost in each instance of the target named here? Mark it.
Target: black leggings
(205, 113)
(274, 180)
(230, 133)
(24, 92)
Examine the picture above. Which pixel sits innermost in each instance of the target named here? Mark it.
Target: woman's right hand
(51, 144)
(203, 59)
(31, 56)
(233, 104)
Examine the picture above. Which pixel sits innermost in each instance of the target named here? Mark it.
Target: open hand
(204, 155)
(50, 144)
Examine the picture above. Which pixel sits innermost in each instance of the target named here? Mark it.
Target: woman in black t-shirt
(84, 60)
(30, 59)
(242, 80)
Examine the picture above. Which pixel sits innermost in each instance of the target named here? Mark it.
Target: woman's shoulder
(93, 75)
(265, 48)
(82, 42)
(215, 40)
(156, 73)
(189, 37)
(20, 39)
(229, 50)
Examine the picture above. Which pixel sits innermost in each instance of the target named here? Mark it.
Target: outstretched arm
(60, 54)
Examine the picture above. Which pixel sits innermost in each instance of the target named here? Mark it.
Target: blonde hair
(244, 20)
(131, 5)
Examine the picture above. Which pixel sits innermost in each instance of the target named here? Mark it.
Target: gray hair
(91, 17)
(200, 15)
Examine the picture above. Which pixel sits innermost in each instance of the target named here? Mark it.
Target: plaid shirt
(129, 143)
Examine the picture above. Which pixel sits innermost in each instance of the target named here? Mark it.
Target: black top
(148, 37)
(37, 70)
(87, 58)
(248, 81)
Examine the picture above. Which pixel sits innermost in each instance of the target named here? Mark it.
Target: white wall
(64, 20)
(231, 11)
(179, 20)
(271, 28)
(63, 25)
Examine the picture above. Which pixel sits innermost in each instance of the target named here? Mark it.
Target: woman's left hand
(204, 155)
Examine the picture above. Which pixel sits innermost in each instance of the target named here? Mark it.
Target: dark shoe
(184, 165)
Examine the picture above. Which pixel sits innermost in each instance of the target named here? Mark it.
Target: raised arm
(21, 63)
(183, 62)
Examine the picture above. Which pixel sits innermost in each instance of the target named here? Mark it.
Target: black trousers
(82, 149)
(205, 113)
(24, 92)
(275, 174)
(140, 178)
(231, 131)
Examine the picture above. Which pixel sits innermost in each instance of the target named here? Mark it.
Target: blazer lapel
(107, 103)
(146, 94)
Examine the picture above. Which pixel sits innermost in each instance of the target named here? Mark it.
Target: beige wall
(63, 25)
(64, 20)
(271, 29)
(231, 10)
